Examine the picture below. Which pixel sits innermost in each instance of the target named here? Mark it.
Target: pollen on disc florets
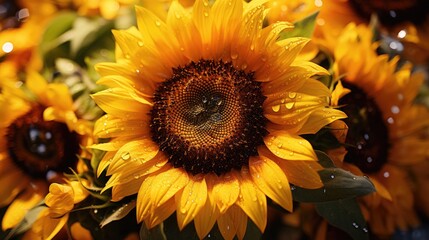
(368, 137)
(37, 146)
(208, 117)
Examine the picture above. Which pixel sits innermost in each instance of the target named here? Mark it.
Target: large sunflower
(40, 138)
(384, 125)
(204, 112)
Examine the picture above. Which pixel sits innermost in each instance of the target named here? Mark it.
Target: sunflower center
(208, 117)
(38, 146)
(367, 139)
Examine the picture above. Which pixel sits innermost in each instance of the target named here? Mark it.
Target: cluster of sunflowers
(261, 119)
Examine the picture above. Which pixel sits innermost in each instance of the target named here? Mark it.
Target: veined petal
(224, 189)
(160, 213)
(300, 173)
(226, 225)
(206, 217)
(158, 188)
(134, 152)
(190, 200)
(121, 190)
(109, 126)
(271, 180)
(189, 38)
(290, 147)
(252, 200)
(119, 103)
(320, 118)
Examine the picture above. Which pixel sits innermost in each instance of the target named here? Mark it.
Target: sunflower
(383, 125)
(40, 138)
(204, 113)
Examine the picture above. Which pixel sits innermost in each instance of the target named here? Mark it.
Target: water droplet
(289, 105)
(280, 145)
(158, 23)
(395, 109)
(234, 56)
(292, 188)
(252, 47)
(369, 159)
(355, 225)
(95, 211)
(292, 94)
(206, 14)
(291, 153)
(140, 43)
(390, 120)
(365, 229)
(386, 174)
(332, 176)
(125, 156)
(276, 108)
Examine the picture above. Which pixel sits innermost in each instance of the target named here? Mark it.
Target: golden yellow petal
(51, 226)
(271, 180)
(226, 225)
(252, 200)
(190, 200)
(108, 126)
(143, 88)
(295, 110)
(116, 69)
(300, 173)
(206, 217)
(158, 188)
(20, 206)
(189, 38)
(153, 29)
(290, 147)
(121, 190)
(239, 219)
(118, 102)
(224, 190)
(57, 91)
(203, 22)
(160, 213)
(132, 153)
(320, 118)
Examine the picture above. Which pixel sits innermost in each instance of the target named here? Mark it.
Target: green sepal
(346, 215)
(338, 184)
(118, 213)
(26, 223)
(302, 28)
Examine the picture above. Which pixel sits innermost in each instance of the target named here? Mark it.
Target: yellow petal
(252, 200)
(57, 91)
(224, 189)
(188, 36)
(121, 190)
(135, 153)
(20, 206)
(51, 226)
(158, 188)
(290, 147)
(271, 180)
(161, 213)
(301, 173)
(190, 201)
(206, 218)
(320, 118)
(226, 225)
(119, 103)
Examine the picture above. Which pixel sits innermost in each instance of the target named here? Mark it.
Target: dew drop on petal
(290, 105)
(125, 156)
(276, 108)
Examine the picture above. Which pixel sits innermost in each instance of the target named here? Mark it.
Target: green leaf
(28, 220)
(156, 233)
(118, 213)
(338, 184)
(302, 28)
(346, 215)
(324, 159)
(52, 44)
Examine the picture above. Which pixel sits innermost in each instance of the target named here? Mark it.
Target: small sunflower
(204, 113)
(383, 126)
(40, 137)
